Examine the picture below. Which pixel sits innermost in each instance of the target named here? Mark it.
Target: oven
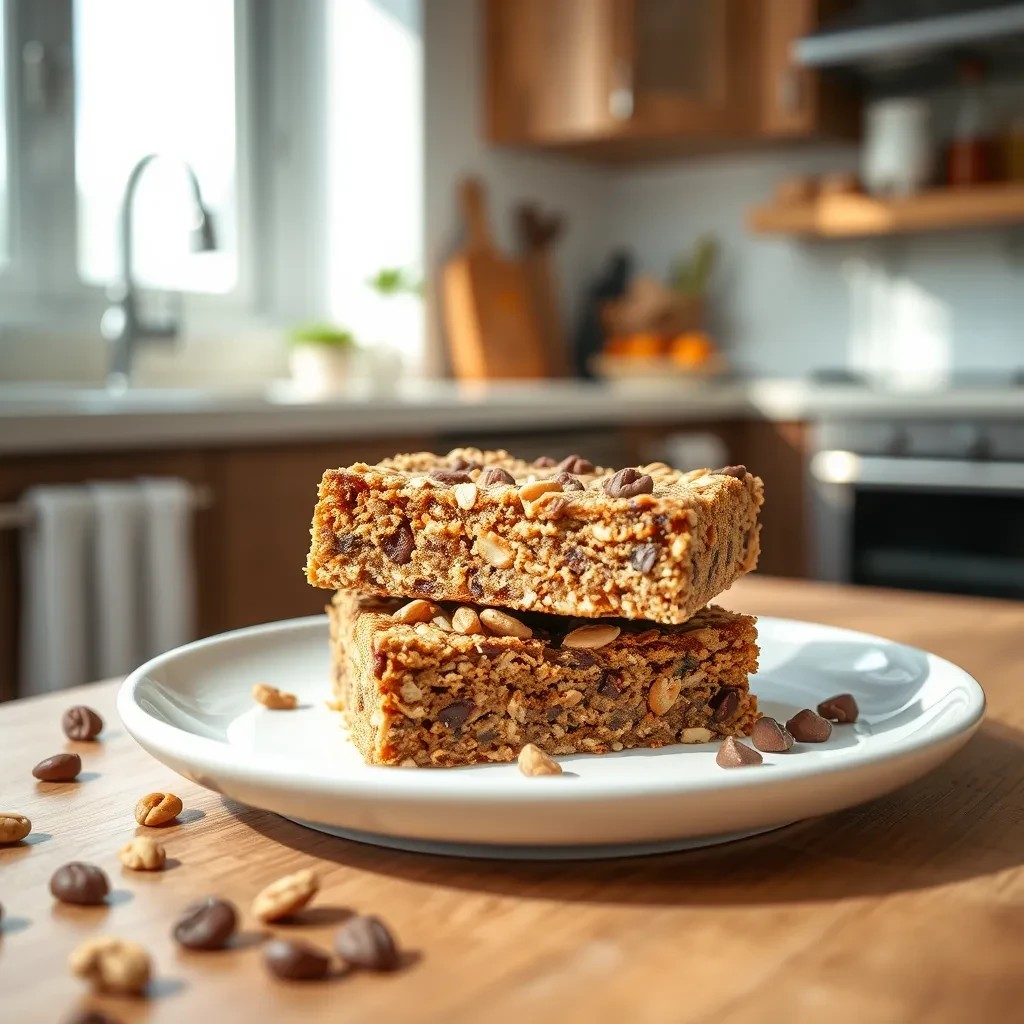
(921, 505)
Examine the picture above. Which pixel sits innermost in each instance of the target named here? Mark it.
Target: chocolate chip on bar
(733, 754)
(575, 464)
(628, 483)
(842, 708)
(58, 768)
(644, 557)
(208, 924)
(809, 727)
(771, 737)
(569, 482)
(84, 884)
(451, 476)
(495, 475)
(739, 472)
(544, 462)
(81, 723)
(366, 942)
(399, 545)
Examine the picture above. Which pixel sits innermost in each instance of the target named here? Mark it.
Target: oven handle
(895, 473)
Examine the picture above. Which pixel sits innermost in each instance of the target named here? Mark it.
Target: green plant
(690, 273)
(396, 281)
(321, 334)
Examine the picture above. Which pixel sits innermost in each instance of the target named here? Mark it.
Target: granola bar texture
(567, 539)
(419, 693)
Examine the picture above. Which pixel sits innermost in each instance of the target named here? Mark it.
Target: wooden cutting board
(538, 234)
(492, 324)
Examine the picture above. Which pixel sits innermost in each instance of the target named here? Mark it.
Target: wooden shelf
(857, 216)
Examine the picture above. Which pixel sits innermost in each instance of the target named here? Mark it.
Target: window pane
(156, 76)
(4, 251)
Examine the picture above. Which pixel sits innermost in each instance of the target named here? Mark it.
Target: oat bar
(567, 538)
(417, 692)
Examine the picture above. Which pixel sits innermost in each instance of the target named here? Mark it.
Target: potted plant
(320, 357)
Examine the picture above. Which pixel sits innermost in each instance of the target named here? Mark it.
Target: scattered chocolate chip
(79, 883)
(808, 727)
(544, 462)
(494, 475)
(59, 768)
(769, 736)
(91, 1017)
(643, 558)
(451, 476)
(295, 960)
(398, 547)
(569, 482)
(576, 464)
(455, 715)
(686, 665)
(81, 723)
(607, 687)
(733, 754)
(380, 662)
(366, 942)
(207, 924)
(842, 708)
(576, 561)
(628, 483)
(725, 703)
(737, 471)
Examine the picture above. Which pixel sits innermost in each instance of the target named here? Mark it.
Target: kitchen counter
(40, 418)
(905, 909)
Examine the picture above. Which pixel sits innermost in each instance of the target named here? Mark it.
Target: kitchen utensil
(898, 158)
(537, 236)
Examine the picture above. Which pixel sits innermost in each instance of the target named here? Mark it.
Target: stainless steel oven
(923, 505)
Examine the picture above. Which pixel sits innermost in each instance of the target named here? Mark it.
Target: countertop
(40, 418)
(906, 909)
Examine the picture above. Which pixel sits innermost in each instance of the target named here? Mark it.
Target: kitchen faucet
(122, 326)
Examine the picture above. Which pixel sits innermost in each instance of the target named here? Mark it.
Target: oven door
(921, 524)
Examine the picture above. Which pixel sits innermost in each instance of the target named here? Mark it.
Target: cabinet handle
(790, 90)
(620, 99)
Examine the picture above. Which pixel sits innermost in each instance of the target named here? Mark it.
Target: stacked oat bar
(485, 603)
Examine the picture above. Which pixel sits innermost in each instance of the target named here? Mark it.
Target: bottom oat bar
(418, 692)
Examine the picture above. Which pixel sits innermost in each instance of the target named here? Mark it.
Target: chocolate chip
(490, 649)
(461, 462)
(81, 723)
(451, 476)
(423, 587)
(607, 687)
(554, 508)
(79, 883)
(398, 547)
(739, 472)
(207, 924)
(366, 942)
(628, 483)
(643, 558)
(295, 960)
(495, 475)
(569, 482)
(769, 736)
(808, 727)
(344, 543)
(729, 552)
(91, 1017)
(576, 561)
(486, 735)
(552, 714)
(577, 657)
(380, 663)
(59, 768)
(455, 715)
(842, 708)
(475, 586)
(544, 462)
(686, 665)
(733, 754)
(575, 464)
(725, 704)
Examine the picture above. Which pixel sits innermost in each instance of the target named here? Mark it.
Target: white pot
(320, 369)
(898, 156)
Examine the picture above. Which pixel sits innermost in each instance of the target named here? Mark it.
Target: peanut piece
(591, 636)
(465, 495)
(13, 827)
(570, 698)
(662, 695)
(503, 624)
(494, 551)
(273, 698)
(535, 488)
(533, 761)
(466, 621)
(157, 809)
(111, 965)
(698, 734)
(416, 611)
(142, 854)
(442, 622)
(285, 896)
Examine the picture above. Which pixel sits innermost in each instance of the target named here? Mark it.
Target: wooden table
(910, 909)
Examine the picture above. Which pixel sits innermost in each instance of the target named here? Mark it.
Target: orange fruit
(691, 349)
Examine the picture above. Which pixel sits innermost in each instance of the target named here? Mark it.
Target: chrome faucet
(122, 326)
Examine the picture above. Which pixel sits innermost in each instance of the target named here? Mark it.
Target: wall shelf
(853, 215)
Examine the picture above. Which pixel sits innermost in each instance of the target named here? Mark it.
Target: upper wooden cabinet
(629, 78)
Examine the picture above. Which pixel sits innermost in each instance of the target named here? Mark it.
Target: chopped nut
(662, 695)
(157, 809)
(570, 698)
(533, 761)
(533, 490)
(495, 551)
(504, 624)
(273, 698)
(698, 734)
(733, 754)
(591, 637)
(285, 896)
(465, 495)
(112, 965)
(416, 611)
(13, 827)
(411, 692)
(442, 622)
(466, 621)
(142, 854)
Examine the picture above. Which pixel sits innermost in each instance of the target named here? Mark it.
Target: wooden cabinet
(625, 79)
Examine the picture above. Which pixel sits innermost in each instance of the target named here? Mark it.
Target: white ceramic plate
(192, 709)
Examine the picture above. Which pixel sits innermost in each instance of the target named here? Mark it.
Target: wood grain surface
(907, 909)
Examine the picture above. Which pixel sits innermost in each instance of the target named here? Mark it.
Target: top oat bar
(566, 538)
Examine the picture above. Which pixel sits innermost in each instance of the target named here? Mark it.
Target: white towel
(168, 601)
(56, 587)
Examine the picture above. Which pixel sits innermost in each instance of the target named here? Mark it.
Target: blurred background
(244, 240)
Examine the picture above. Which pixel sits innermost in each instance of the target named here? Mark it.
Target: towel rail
(19, 516)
